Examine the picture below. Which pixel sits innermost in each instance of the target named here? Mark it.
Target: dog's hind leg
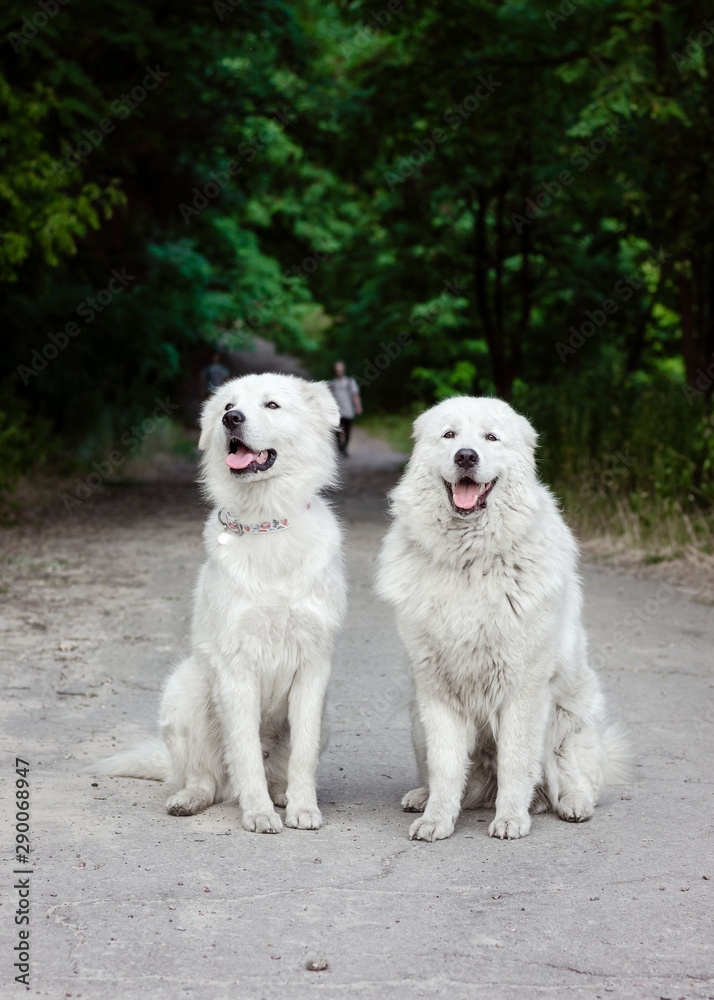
(416, 799)
(190, 731)
(580, 762)
(579, 758)
(481, 783)
(275, 745)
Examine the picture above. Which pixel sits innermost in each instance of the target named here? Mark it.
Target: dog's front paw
(431, 829)
(304, 819)
(262, 822)
(575, 807)
(415, 801)
(510, 827)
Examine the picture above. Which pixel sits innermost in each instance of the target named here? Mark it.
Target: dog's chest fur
(484, 639)
(487, 623)
(276, 595)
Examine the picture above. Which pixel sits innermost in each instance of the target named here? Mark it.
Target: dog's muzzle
(466, 495)
(241, 458)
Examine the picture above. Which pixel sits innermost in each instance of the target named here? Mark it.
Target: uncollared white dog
(482, 572)
(242, 718)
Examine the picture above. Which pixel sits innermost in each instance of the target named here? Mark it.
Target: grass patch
(166, 445)
(394, 428)
(660, 529)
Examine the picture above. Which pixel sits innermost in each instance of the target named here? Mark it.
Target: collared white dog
(482, 572)
(242, 718)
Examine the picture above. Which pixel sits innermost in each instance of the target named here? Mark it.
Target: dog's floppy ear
(205, 422)
(530, 435)
(318, 394)
(419, 424)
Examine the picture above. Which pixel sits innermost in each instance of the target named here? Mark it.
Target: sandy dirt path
(127, 901)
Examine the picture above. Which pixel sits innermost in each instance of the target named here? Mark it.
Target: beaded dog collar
(230, 523)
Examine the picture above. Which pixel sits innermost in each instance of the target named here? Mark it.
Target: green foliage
(40, 215)
(23, 441)
(463, 196)
(475, 196)
(394, 428)
(169, 144)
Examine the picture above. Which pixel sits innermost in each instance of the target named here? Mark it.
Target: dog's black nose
(466, 458)
(232, 419)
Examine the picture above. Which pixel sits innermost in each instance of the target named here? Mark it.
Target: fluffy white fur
(242, 718)
(488, 605)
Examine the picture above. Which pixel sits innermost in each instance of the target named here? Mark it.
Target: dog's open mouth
(241, 459)
(466, 495)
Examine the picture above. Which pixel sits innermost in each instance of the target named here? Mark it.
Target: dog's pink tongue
(466, 494)
(241, 459)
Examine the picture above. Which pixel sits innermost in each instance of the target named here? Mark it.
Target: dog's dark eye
(450, 434)
(229, 406)
(272, 406)
(491, 437)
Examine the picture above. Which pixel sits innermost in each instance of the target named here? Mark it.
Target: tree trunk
(693, 349)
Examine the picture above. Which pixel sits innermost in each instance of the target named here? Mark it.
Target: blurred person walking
(346, 393)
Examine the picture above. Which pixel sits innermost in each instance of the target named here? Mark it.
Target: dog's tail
(149, 759)
(618, 750)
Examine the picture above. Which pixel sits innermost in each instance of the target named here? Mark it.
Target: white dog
(481, 569)
(241, 719)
